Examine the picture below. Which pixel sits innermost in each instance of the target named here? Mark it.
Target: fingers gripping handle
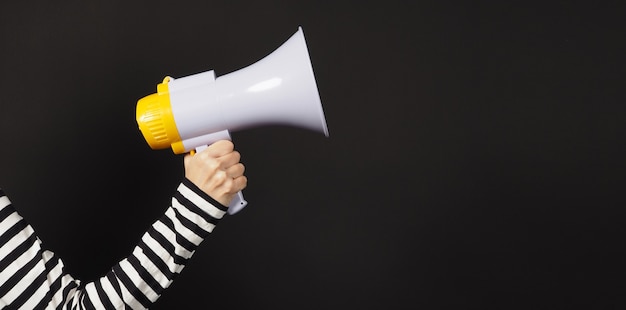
(238, 201)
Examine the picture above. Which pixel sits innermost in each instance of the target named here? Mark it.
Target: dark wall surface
(476, 157)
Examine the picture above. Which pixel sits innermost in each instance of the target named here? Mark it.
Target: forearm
(163, 251)
(33, 278)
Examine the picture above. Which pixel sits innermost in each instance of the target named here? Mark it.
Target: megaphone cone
(278, 89)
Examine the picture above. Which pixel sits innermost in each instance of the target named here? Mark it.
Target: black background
(476, 157)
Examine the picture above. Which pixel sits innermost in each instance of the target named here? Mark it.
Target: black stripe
(54, 287)
(203, 195)
(130, 286)
(191, 225)
(17, 276)
(167, 245)
(195, 209)
(6, 211)
(113, 280)
(66, 291)
(103, 296)
(38, 281)
(14, 230)
(20, 249)
(180, 239)
(145, 275)
(28, 292)
(86, 301)
(156, 259)
(116, 286)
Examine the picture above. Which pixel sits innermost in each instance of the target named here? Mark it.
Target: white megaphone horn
(191, 112)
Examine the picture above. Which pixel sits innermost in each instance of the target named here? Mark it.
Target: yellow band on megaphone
(155, 118)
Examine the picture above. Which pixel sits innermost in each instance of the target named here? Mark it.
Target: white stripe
(156, 273)
(57, 299)
(92, 293)
(18, 238)
(81, 297)
(21, 285)
(139, 283)
(115, 299)
(4, 202)
(171, 236)
(18, 263)
(192, 216)
(163, 253)
(52, 276)
(36, 297)
(128, 298)
(181, 229)
(23, 259)
(200, 202)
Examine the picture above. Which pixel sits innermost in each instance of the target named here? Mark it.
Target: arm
(34, 278)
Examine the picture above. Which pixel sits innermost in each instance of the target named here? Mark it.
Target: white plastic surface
(279, 89)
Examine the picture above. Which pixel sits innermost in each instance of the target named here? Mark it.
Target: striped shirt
(32, 277)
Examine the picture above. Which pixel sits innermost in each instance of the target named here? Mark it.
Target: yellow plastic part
(156, 120)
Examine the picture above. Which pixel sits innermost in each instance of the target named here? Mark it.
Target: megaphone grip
(237, 204)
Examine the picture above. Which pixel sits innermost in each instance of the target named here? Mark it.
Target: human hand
(217, 171)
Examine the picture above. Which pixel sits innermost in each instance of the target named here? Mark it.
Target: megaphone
(187, 114)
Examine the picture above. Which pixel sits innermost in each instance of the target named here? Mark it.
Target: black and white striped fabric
(32, 277)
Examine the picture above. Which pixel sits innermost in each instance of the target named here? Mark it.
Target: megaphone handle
(238, 201)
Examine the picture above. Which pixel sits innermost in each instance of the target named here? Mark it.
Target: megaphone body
(189, 113)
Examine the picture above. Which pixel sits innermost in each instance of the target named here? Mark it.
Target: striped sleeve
(34, 278)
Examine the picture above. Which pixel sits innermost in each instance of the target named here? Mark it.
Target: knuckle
(221, 177)
(213, 165)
